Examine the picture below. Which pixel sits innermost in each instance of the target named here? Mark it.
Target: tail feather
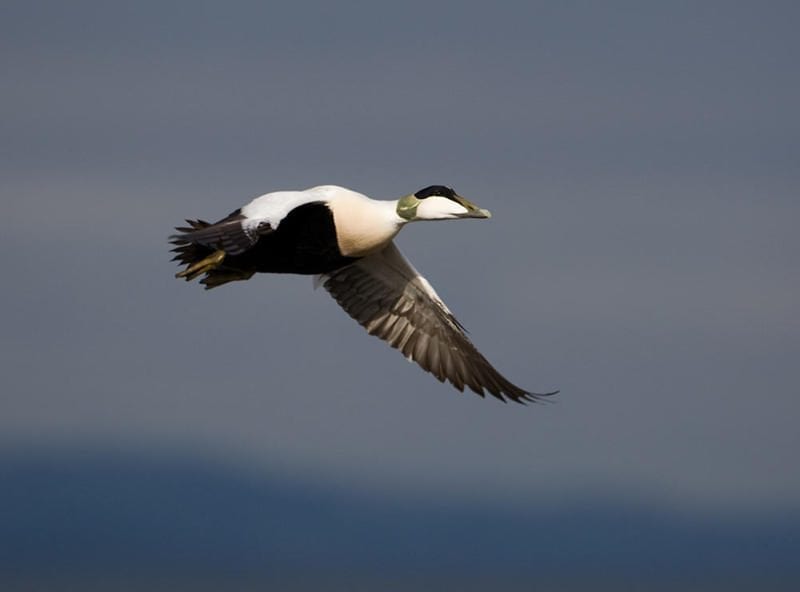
(188, 253)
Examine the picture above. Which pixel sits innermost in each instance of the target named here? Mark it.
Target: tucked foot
(203, 266)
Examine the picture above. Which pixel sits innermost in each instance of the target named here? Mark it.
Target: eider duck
(345, 239)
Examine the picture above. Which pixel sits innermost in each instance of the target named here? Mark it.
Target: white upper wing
(239, 231)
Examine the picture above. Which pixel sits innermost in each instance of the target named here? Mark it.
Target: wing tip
(530, 397)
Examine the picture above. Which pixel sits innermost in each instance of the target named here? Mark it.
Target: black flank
(304, 242)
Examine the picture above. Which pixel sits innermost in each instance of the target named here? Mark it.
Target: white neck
(364, 225)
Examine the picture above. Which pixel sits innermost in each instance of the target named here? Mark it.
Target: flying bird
(345, 240)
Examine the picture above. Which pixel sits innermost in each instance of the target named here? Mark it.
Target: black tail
(188, 253)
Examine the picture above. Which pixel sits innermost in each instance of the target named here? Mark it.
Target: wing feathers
(234, 234)
(387, 296)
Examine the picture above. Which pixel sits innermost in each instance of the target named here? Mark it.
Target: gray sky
(641, 162)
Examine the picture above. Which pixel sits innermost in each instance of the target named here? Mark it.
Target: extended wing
(391, 300)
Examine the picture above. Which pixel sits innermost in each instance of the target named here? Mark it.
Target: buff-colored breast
(363, 225)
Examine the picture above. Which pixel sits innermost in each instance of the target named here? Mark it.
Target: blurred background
(642, 162)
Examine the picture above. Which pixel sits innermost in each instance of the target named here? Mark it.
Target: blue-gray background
(641, 160)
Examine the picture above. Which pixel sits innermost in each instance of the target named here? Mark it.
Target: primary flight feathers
(345, 239)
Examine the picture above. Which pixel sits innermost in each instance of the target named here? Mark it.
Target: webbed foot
(203, 266)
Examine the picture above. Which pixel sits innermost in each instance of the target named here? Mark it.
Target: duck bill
(473, 211)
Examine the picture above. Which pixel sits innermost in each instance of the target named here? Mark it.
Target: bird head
(438, 202)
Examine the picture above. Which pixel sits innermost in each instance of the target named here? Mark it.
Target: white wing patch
(273, 207)
(319, 280)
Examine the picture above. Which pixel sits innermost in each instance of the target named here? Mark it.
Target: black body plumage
(304, 243)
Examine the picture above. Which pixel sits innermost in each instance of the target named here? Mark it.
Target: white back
(273, 207)
(363, 225)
